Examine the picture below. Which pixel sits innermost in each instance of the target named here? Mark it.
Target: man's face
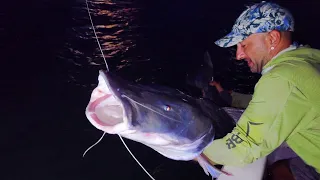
(255, 50)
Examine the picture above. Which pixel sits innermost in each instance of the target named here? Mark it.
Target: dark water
(51, 62)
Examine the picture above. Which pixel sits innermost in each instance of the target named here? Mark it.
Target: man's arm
(240, 100)
(225, 95)
(265, 124)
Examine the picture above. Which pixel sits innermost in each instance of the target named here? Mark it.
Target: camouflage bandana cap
(259, 18)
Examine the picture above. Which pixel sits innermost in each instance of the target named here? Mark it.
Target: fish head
(165, 119)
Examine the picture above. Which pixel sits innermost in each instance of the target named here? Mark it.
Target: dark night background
(44, 130)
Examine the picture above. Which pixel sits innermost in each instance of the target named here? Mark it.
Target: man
(285, 107)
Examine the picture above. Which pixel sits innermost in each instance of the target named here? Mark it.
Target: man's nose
(240, 53)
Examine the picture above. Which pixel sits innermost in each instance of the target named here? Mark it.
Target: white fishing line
(125, 145)
(93, 144)
(135, 157)
(94, 30)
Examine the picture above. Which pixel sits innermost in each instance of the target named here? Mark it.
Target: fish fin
(207, 59)
(210, 169)
(202, 164)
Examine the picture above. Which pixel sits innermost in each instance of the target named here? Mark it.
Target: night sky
(44, 130)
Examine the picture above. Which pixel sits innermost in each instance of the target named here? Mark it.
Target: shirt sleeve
(226, 96)
(264, 125)
(240, 100)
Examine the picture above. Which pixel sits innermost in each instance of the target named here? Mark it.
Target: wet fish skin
(174, 124)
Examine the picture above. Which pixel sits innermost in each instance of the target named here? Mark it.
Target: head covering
(259, 18)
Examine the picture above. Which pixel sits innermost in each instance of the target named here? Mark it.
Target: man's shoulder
(305, 75)
(292, 69)
(302, 52)
(291, 66)
(301, 57)
(300, 60)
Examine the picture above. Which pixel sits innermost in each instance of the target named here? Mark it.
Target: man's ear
(274, 38)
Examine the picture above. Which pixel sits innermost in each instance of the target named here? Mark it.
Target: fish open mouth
(105, 110)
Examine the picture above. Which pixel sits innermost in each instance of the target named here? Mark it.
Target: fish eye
(167, 108)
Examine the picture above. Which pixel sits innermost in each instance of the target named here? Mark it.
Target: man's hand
(213, 83)
(217, 85)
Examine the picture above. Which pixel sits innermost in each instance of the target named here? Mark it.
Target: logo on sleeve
(248, 126)
(233, 141)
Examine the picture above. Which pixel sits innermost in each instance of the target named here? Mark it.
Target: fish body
(174, 124)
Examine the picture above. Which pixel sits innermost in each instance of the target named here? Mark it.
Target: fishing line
(94, 30)
(105, 61)
(93, 144)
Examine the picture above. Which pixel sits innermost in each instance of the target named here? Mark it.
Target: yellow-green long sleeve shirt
(285, 108)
